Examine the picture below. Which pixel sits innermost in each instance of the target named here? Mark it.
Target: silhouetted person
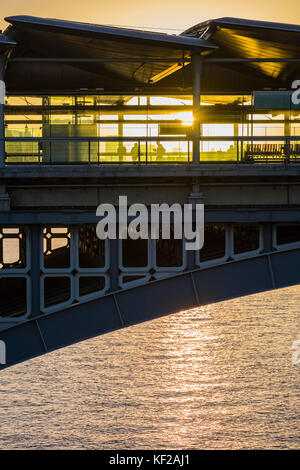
(121, 151)
(135, 152)
(160, 151)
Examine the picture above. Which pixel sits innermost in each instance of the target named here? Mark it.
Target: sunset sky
(158, 14)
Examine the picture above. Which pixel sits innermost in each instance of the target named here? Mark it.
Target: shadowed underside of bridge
(48, 332)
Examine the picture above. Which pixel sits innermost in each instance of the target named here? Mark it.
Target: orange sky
(159, 14)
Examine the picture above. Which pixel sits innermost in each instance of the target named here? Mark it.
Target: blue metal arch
(120, 309)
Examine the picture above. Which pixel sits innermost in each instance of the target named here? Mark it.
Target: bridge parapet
(281, 149)
(54, 267)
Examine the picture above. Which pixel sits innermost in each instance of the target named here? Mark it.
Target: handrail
(155, 139)
(243, 149)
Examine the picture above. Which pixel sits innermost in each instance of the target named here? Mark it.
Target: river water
(216, 377)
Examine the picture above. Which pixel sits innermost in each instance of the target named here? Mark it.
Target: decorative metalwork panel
(70, 264)
(74, 266)
(56, 244)
(145, 260)
(229, 242)
(13, 248)
(14, 282)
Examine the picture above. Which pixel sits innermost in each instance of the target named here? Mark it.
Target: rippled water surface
(220, 376)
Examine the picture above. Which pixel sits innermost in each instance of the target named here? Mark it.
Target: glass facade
(134, 129)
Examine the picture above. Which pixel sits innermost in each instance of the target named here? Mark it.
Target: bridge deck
(133, 171)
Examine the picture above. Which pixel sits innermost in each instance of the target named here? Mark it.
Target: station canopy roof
(6, 44)
(50, 38)
(33, 38)
(243, 38)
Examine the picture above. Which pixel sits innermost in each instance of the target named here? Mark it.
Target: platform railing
(150, 150)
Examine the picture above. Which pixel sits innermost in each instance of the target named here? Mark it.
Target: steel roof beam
(102, 59)
(251, 59)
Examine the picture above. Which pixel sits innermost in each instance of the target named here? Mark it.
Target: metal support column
(114, 264)
(197, 67)
(236, 142)
(287, 123)
(120, 134)
(267, 235)
(35, 252)
(287, 133)
(195, 197)
(2, 105)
